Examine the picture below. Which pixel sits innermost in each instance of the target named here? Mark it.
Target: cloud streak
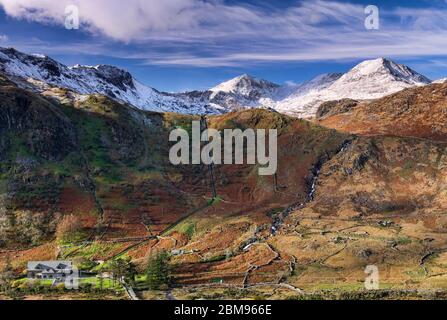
(214, 33)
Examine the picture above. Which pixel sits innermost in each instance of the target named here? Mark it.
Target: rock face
(39, 124)
(335, 107)
(369, 80)
(383, 175)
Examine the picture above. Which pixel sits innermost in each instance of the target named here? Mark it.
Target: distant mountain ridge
(370, 79)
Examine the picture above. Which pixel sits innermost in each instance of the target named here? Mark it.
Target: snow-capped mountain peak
(120, 78)
(371, 79)
(383, 67)
(245, 85)
(36, 66)
(244, 92)
(376, 78)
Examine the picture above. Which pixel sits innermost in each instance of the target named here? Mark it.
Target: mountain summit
(383, 66)
(375, 78)
(246, 86)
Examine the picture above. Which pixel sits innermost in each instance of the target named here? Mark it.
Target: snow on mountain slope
(107, 80)
(248, 92)
(376, 78)
(247, 87)
(370, 79)
(308, 89)
(319, 83)
(40, 72)
(245, 92)
(440, 80)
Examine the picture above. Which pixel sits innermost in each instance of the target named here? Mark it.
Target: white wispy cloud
(214, 33)
(3, 38)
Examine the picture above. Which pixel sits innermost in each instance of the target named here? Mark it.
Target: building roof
(49, 265)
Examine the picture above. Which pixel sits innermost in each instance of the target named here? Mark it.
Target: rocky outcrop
(331, 108)
(383, 175)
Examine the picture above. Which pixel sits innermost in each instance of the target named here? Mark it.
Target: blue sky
(179, 45)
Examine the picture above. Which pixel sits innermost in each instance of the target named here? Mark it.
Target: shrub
(60, 287)
(159, 271)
